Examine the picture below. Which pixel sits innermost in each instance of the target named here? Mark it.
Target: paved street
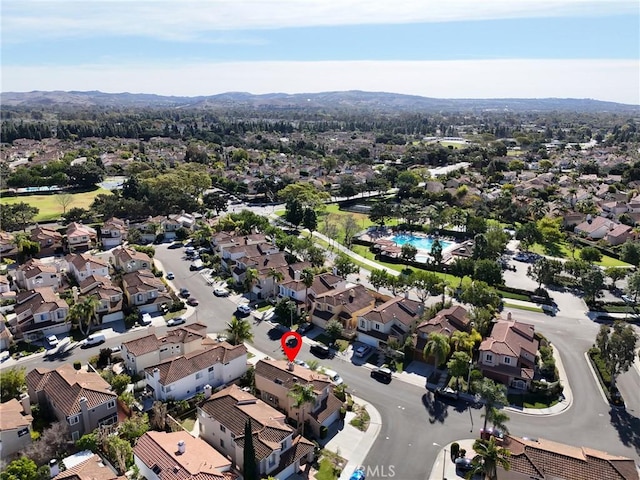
(411, 420)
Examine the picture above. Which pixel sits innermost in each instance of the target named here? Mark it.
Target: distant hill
(376, 101)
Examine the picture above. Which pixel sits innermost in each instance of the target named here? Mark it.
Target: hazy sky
(444, 49)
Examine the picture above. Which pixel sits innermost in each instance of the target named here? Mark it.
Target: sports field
(49, 207)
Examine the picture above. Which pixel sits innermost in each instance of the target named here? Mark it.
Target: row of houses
(39, 289)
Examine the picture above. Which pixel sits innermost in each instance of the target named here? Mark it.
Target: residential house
(113, 232)
(7, 243)
(150, 228)
(85, 465)
(446, 321)
(572, 219)
(546, 459)
(619, 234)
(80, 237)
(344, 305)
(279, 451)
(15, 426)
(179, 456)
(39, 313)
(83, 265)
(614, 208)
(232, 257)
(169, 227)
(185, 220)
(264, 264)
(222, 240)
(129, 260)
(34, 274)
(292, 286)
(595, 228)
(109, 297)
(393, 319)
(50, 240)
(5, 287)
(6, 338)
(508, 355)
(81, 398)
(150, 350)
(184, 376)
(274, 380)
(145, 291)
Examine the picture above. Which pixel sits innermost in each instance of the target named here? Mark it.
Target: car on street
(4, 356)
(220, 292)
(52, 340)
(446, 392)
(320, 350)
(382, 374)
(193, 302)
(358, 474)
(627, 299)
(244, 309)
(333, 375)
(463, 464)
(172, 322)
(302, 363)
(115, 349)
(93, 340)
(363, 351)
(170, 276)
(176, 245)
(185, 293)
(304, 328)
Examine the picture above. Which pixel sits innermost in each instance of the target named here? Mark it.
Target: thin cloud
(612, 80)
(25, 20)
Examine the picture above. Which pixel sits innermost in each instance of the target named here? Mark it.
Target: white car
(52, 340)
(363, 351)
(302, 363)
(244, 309)
(220, 292)
(175, 321)
(333, 375)
(170, 276)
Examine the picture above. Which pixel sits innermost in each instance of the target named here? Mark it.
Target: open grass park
(50, 209)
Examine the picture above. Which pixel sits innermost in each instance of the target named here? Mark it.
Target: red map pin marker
(291, 343)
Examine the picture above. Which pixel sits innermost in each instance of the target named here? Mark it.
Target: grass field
(565, 252)
(49, 208)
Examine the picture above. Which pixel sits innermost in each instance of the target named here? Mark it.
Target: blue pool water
(420, 243)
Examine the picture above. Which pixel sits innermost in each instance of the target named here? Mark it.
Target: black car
(304, 328)
(382, 374)
(320, 350)
(464, 464)
(446, 392)
(185, 293)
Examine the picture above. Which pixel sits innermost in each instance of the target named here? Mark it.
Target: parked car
(627, 299)
(333, 375)
(491, 432)
(220, 292)
(185, 293)
(193, 301)
(244, 309)
(463, 464)
(320, 350)
(170, 276)
(52, 340)
(363, 351)
(446, 392)
(302, 363)
(358, 474)
(304, 328)
(382, 374)
(175, 321)
(5, 355)
(176, 245)
(93, 340)
(116, 349)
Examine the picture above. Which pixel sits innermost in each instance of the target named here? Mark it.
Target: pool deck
(384, 238)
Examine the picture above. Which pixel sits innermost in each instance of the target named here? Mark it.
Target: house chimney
(85, 414)
(508, 315)
(296, 275)
(290, 366)
(53, 467)
(181, 447)
(26, 403)
(207, 391)
(406, 294)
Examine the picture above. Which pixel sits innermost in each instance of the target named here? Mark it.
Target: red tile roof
(183, 334)
(277, 370)
(399, 308)
(93, 468)
(510, 338)
(12, 416)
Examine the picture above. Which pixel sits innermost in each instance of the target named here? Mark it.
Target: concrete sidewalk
(443, 467)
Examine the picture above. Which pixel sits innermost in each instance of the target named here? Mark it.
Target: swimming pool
(421, 243)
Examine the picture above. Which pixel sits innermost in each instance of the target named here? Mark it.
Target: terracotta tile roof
(99, 282)
(114, 224)
(277, 370)
(546, 459)
(78, 229)
(93, 468)
(35, 267)
(12, 416)
(232, 407)
(300, 448)
(399, 308)
(65, 386)
(593, 225)
(81, 260)
(351, 298)
(43, 233)
(328, 407)
(142, 281)
(39, 300)
(619, 230)
(124, 255)
(200, 461)
(452, 318)
(183, 334)
(510, 338)
(182, 366)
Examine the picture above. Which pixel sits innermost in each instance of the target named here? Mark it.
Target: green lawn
(188, 423)
(49, 207)
(326, 471)
(522, 307)
(565, 252)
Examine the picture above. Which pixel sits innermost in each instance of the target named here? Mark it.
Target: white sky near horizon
(453, 49)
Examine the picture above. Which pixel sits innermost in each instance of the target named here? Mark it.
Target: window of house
(111, 404)
(23, 432)
(198, 375)
(507, 360)
(60, 314)
(272, 460)
(377, 326)
(362, 324)
(222, 429)
(114, 298)
(75, 436)
(140, 297)
(73, 420)
(210, 369)
(489, 357)
(156, 469)
(329, 308)
(222, 443)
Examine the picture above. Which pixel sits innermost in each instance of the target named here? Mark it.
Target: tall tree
(379, 278)
(302, 395)
(489, 456)
(350, 228)
(64, 199)
(345, 266)
(83, 314)
(458, 366)
(334, 329)
(615, 274)
(437, 346)
(307, 276)
(617, 347)
(493, 395)
(249, 464)
(250, 279)
(24, 468)
(238, 331)
(436, 252)
(12, 382)
(408, 252)
(276, 277)
(544, 270)
(592, 283)
(633, 285)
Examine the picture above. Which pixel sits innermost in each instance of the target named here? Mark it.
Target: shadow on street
(437, 410)
(628, 427)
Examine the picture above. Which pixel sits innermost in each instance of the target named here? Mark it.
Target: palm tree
(83, 314)
(239, 331)
(250, 279)
(462, 342)
(302, 395)
(494, 396)
(438, 346)
(307, 277)
(489, 457)
(276, 276)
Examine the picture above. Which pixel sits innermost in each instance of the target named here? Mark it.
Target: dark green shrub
(77, 365)
(455, 451)
(323, 432)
